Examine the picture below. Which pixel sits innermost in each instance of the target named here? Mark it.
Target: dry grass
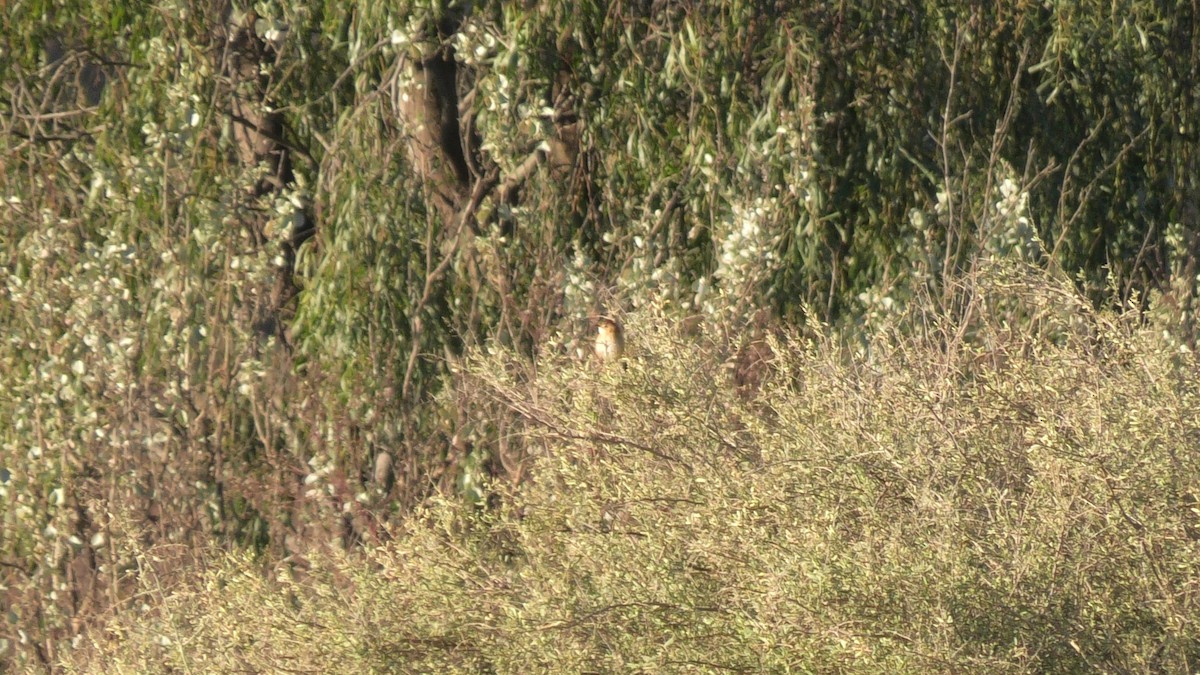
(974, 499)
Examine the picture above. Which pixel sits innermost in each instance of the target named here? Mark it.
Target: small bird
(610, 339)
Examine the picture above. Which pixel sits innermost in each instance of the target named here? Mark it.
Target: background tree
(246, 246)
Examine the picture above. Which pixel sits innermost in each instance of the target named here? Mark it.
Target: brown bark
(258, 132)
(430, 108)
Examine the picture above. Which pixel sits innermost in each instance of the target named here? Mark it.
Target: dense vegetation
(926, 507)
(296, 297)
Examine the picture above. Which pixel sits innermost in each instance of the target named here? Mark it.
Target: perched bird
(610, 339)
